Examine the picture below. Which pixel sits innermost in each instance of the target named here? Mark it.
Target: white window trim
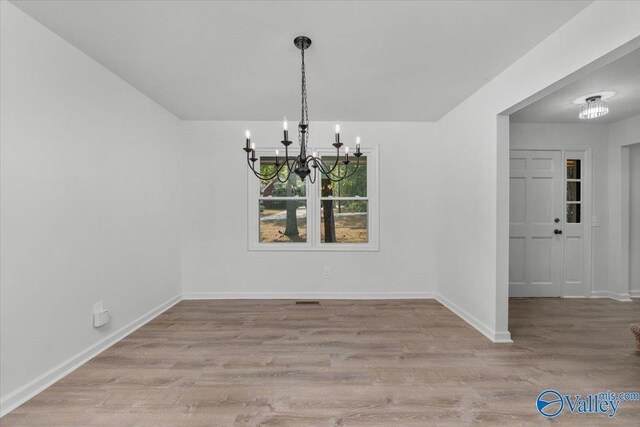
(313, 243)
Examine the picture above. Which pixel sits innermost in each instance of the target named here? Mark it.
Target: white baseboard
(307, 295)
(623, 297)
(495, 336)
(634, 293)
(26, 392)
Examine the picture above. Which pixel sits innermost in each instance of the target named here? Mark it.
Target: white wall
(90, 197)
(472, 136)
(567, 136)
(622, 134)
(634, 219)
(215, 259)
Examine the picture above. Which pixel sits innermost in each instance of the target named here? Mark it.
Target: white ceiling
(371, 60)
(621, 76)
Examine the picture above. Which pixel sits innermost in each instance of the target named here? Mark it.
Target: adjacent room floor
(401, 362)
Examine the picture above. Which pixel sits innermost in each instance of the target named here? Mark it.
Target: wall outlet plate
(100, 319)
(327, 272)
(98, 307)
(100, 315)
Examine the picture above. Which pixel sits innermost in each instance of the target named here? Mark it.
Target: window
(344, 205)
(573, 199)
(291, 214)
(282, 206)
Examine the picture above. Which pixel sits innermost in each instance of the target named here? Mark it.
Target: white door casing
(541, 262)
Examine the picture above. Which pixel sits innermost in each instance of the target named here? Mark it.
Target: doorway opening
(568, 209)
(569, 218)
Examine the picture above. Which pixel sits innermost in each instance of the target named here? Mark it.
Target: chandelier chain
(304, 107)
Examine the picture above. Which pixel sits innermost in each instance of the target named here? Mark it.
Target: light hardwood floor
(364, 363)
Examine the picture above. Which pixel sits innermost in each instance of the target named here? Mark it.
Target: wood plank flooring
(348, 363)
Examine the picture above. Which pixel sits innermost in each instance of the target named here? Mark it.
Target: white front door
(546, 233)
(535, 250)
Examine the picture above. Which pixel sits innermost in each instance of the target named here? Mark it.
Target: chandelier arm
(277, 173)
(313, 177)
(335, 164)
(337, 177)
(343, 177)
(295, 165)
(286, 154)
(264, 177)
(331, 174)
(292, 165)
(323, 167)
(326, 172)
(317, 165)
(289, 169)
(261, 176)
(282, 181)
(354, 169)
(285, 163)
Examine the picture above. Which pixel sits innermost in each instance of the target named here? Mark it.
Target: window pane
(355, 185)
(294, 186)
(573, 169)
(573, 191)
(344, 221)
(573, 213)
(283, 221)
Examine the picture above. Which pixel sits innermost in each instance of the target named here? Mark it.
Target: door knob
(557, 231)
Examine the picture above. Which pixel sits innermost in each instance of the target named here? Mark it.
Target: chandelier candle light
(304, 165)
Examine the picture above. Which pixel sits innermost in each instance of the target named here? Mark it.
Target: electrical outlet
(595, 221)
(100, 319)
(327, 272)
(100, 315)
(98, 307)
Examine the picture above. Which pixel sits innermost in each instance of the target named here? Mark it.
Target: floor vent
(307, 302)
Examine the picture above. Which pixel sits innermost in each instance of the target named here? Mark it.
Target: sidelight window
(573, 199)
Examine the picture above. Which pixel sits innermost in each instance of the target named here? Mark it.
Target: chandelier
(303, 164)
(593, 107)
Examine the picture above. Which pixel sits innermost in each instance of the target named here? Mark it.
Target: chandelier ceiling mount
(302, 42)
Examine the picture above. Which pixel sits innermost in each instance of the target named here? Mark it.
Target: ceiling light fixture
(594, 107)
(304, 165)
